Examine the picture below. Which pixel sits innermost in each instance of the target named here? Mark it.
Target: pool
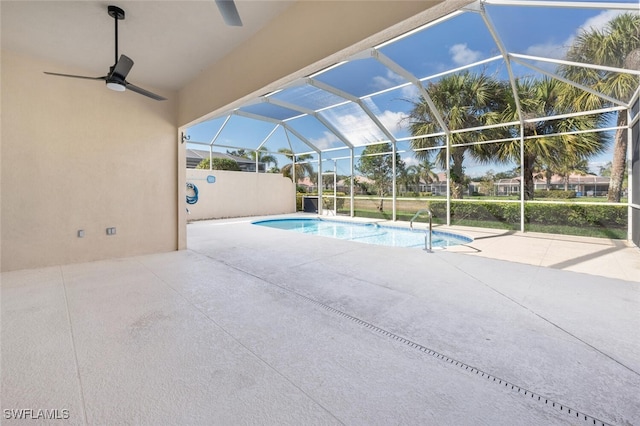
(369, 233)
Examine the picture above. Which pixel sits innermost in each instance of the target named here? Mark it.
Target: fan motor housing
(115, 12)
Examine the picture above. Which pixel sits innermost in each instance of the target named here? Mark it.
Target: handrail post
(428, 236)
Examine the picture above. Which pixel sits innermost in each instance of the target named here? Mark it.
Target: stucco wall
(75, 155)
(236, 194)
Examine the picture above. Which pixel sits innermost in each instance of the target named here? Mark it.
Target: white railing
(428, 236)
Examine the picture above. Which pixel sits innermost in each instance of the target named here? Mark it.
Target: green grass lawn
(584, 231)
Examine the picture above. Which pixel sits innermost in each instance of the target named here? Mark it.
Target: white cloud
(410, 160)
(381, 83)
(558, 50)
(359, 129)
(328, 140)
(389, 80)
(548, 50)
(391, 120)
(462, 55)
(410, 92)
(599, 22)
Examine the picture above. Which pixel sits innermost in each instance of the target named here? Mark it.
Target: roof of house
(195, 156)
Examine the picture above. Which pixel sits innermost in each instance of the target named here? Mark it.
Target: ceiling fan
(116, 79)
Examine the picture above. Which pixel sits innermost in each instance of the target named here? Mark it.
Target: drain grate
(576, 414)
(588, 419)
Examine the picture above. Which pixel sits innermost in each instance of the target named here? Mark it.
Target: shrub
(576, 215)
(555, 193)
(219, 164)
(327, 201)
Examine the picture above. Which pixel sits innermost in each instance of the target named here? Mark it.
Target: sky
(456, 42)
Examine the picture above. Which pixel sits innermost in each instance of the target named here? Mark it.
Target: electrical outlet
(111, 231)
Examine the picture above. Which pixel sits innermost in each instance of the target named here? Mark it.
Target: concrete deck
(253, 325)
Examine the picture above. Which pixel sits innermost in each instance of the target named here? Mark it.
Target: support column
(521, 178)
(352, 198)
(393, 188)
(448, 152)
(320, 206)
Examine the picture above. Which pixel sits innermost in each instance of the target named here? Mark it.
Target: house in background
(195, 156)
(587, 185)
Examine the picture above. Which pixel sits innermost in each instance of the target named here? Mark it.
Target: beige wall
(308, 36)
(236, 194)
(75, 155)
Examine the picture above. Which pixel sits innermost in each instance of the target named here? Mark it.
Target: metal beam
(314, 114)
(213, 140)
(279, 122)
(334, 90)
(395, 67)
(572, 83)
(563, 4)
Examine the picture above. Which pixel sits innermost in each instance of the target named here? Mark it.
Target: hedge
(555, 193)
(575, 215)
(603, 216)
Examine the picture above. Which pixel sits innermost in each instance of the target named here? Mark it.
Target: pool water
(369, 233)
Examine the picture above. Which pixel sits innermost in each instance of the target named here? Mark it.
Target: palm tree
(427, 171)
(541, 99)
(301, 169)
(567, 166)
(239, 153)
(411, 178)
(465, 100)
(617, 45)
(406, 178)
(422, 172)
(264, 157)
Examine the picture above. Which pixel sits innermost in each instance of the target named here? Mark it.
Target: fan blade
(146, 93)
(229, 12)
(76, 76)
(122, 67)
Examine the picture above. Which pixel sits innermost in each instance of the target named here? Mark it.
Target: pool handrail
(429, 233)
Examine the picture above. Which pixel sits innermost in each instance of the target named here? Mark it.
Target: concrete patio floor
(253, 325)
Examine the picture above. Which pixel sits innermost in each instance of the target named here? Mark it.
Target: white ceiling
(171, 42)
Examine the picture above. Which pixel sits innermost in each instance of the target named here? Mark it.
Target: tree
(264, 157)
(487, 183)
(540, 99)
(617, 45)
(301, 169)
(426, 171)
(239, 153)
(509, 174)
(567, 166)
(219, 164)
(465, 100)
(376, 164)
(422, 172)
(410, 179)
(606, 169)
